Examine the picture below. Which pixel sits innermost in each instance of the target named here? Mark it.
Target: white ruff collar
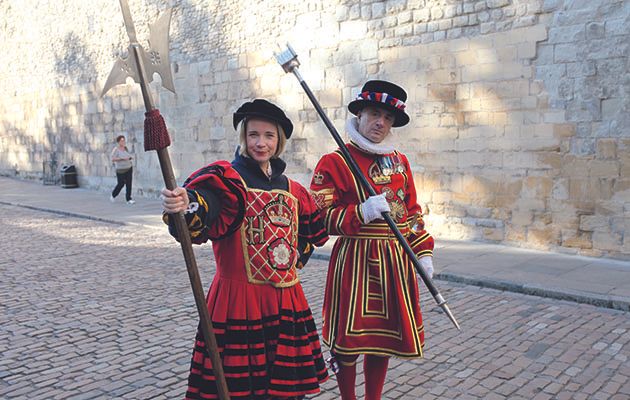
(385, 147)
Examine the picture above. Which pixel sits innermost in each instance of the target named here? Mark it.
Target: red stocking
(374, 369)
(347, 376)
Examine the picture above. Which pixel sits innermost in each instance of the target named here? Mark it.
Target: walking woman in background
(124, 171)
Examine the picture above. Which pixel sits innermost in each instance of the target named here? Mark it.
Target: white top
(124, 164)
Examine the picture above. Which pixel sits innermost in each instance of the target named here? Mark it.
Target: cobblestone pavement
(91, 310)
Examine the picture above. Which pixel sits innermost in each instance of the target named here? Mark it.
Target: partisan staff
(141, 65)
(289, 62)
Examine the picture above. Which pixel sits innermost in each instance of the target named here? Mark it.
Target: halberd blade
(122, 69)
(157, 59)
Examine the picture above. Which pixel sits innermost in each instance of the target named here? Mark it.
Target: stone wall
(520, 129)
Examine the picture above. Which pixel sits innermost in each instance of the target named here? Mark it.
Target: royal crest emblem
(377, 176)
(278, 212)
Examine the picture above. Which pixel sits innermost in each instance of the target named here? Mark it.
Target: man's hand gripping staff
(141, 65)
(289, 62)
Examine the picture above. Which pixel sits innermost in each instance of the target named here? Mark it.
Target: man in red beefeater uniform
(371, 305)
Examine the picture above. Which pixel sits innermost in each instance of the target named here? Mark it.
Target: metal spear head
(287, 59)
(442, 303)
(155, 59)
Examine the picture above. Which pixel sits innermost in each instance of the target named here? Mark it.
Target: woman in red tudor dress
(371, 305)
(263, 227)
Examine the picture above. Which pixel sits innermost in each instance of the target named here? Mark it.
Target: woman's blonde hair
(242, 136)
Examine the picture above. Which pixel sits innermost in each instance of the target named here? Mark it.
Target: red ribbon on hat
(382, 98)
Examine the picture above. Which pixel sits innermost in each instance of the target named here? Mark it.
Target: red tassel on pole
(155, 132)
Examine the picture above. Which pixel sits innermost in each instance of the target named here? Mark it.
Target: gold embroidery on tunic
(323, 198)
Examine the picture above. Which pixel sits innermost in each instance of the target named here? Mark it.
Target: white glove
(372, 208)
(426, 263)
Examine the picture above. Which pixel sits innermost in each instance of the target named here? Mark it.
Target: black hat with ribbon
(260, 108)
(385, 95)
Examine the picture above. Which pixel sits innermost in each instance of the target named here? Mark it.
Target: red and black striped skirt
(268, 343)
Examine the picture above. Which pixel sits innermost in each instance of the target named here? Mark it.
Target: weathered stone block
(550, 160)
(454, 33)
(565, 53)
(441, 197)
(487, 56)
(462, 91)
(603, 169)
(497, 3)
(618, 26)
(352, 30)
(528, 20)
(567, 34)
(595, 30)
(537, 187)
(418, 30)
(513, 88)
(521, 217)
(516, 234)
(607, 241)
(544, 238)
(545, 54)
(584, 110)
(493, 234)
(378, 10)
(571, 238)
(610, 108)
(354, 12)
(526, 50)
(550, 5)
(487, 27)
(460, 21)
(481, 213)
(514, 71)
(354, 74)
(606, 148)
(404, 17)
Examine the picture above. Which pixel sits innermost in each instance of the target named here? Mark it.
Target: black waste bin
(69, 176)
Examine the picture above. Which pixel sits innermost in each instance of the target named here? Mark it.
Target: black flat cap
(260, 108)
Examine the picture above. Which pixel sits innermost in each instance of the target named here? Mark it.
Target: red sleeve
(311, 224)
(226, 184)
(419, 239)
(331, 187)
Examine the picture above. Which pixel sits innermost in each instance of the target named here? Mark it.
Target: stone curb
(611, 302)
(66, 213)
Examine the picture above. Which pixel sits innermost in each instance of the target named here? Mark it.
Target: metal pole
(186, 245)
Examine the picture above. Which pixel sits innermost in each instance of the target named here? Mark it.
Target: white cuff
(426, 263)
